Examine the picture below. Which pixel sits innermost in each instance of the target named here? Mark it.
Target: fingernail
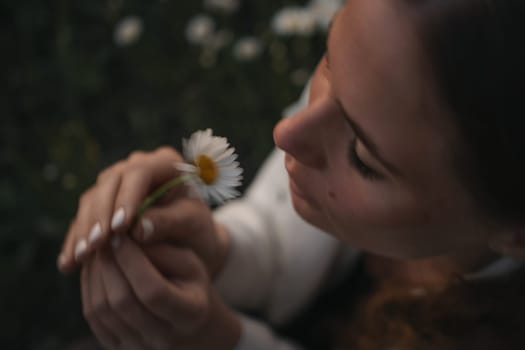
(80, 249)
(118, 219)
(61, 261)
(95, 233)
(147, 228)
(115, 242)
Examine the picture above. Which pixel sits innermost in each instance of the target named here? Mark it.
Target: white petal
(227, 161)
(186, 150)
(230, 172)
(228, 193)
(215, 148)
(185, 167)
(224, 154)
(215, 196)
(228, 182)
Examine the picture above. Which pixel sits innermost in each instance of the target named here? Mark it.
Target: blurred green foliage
(75, 102)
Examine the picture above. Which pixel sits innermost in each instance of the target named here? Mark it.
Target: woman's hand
(109, 206)
(156, 298)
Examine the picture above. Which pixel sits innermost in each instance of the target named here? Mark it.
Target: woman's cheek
(370, 206)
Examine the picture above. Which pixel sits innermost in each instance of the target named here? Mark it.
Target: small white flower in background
(127, 31)
(294, 20)
(226, 6)
(324, 10)
(247, 48)
(212, 161)
(200, 29)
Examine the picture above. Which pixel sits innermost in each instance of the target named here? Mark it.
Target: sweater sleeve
(258, 336)
(277, 262)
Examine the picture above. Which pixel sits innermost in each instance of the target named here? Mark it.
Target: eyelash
(360, 166)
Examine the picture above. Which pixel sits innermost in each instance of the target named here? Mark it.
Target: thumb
(174, 222)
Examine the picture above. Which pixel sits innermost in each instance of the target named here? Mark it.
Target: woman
(409, 150)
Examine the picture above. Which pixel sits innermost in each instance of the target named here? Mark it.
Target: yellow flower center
(208, 171)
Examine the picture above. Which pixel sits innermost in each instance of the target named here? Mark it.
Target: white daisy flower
(200, 29)
(226, 6)
(294, 21)
(247, 49)
(128, 31)
(212, 161)
(324, 10)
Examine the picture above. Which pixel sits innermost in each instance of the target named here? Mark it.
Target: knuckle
(138, 171)
(201, 310)
(188, 256)
(121, 302)
(191, 221)
(100, 310)
(109, 172)
(85, 197)
(153, 297)
(136, 156)
(196, 316)
(168, 151)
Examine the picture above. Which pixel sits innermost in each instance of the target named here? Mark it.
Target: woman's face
(370, 158)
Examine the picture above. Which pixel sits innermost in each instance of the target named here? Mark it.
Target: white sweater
(278, 262)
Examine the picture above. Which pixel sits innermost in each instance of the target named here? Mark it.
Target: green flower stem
(159, 193)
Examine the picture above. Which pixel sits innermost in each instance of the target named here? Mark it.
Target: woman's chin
(308, 211)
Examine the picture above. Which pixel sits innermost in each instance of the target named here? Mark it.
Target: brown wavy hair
(482, 315)
(365, 314)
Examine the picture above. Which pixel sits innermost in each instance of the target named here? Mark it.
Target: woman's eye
(360, 166)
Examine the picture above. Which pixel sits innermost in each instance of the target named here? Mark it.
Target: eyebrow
(363, 137)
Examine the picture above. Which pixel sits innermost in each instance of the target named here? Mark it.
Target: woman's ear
(509, 243)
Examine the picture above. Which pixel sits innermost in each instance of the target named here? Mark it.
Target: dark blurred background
(87, 82)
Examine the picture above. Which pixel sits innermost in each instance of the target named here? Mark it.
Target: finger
(65, 261)
(78, 250)
(150, 329)
(106, 308)
(145, 173)
(90, 227)
(103, 335)
(175, 222)
(103, 206)
(82, 226)
(183, 303)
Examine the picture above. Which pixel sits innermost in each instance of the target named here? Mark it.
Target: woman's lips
(290, 166)
(297, 190)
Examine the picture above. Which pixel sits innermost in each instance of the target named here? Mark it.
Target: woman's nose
(300, 135)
